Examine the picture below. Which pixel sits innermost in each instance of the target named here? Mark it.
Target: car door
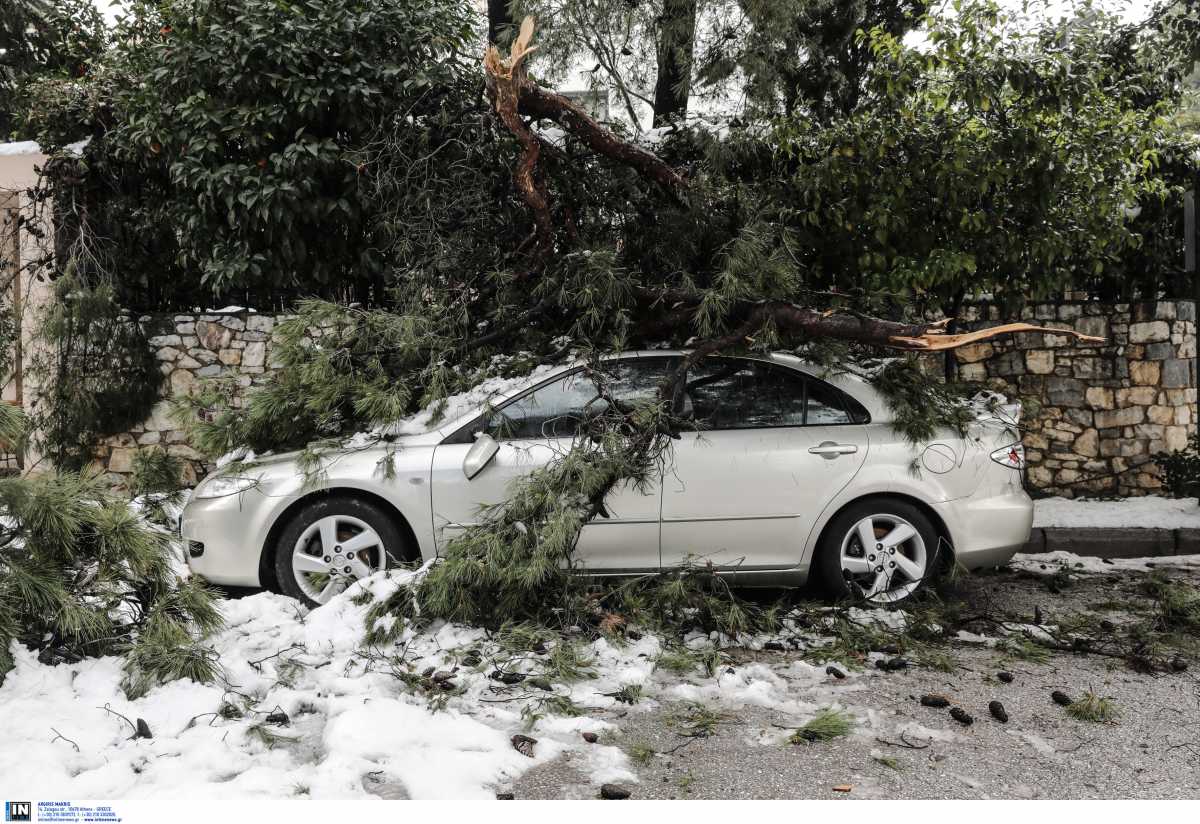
(532, 430)
(772, 447)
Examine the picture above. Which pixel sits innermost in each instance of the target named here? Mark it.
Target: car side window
(556, 409)
(729, 393)
(826, 405)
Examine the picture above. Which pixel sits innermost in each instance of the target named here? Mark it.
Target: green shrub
(1181, 469)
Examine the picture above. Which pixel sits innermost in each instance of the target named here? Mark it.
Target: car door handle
(831, 450)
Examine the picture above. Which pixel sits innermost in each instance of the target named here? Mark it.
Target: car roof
(852, 385)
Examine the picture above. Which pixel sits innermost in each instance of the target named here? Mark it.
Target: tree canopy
(42, 40)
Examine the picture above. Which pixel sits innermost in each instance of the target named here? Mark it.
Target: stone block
(213, 336)
(1120, 417)
(255, 354)
(976, 352)
(1087, 444)
(1176, 373)
(1097, 327)
(1099, 398)
(1144, 373)
(1163, 415)
(1093, 368)
(1149, 332)
(1157, 351)
(972, 372)
(1176, 438)
(1136, 396)
(1039, 361)
(121, 460)
(183, 382)
(1065, 391)
(260, 323)
(1081, 417)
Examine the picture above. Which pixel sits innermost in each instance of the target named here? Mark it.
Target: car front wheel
(331, 543)
(880, 550)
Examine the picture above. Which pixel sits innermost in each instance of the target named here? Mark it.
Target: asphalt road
(1152, 750)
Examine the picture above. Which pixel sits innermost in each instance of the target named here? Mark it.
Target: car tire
(369, 533)
(845, 570)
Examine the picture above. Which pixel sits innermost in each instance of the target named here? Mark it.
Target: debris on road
(961, 716)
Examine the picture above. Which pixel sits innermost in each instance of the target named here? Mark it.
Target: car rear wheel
(880, 550)
(333, 542)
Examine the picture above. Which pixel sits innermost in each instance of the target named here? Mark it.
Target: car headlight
(218, 486)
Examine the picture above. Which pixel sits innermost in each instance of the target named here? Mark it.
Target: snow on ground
(1042, 561)
(355, 729)
(1144, 513)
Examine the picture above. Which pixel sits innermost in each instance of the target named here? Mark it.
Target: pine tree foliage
(96, 366)
(81, 574)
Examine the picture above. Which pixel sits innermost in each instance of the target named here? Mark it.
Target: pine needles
(826, 725)
(81, 574)
(1091, 707)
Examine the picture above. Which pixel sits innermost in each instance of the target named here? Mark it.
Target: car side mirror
(480, 454)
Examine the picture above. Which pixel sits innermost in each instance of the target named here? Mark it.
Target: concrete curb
(1104, 542)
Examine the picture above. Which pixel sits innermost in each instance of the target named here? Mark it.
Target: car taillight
(1012, 456)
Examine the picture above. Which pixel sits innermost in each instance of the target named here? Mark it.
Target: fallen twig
(132, 725)
(906, 744)
(58, 735)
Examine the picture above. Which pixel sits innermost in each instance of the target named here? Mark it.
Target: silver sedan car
(786, 474)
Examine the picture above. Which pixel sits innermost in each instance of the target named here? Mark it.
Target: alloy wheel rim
(334, 552)
(884, 555)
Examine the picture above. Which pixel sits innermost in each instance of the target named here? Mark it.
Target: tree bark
(676, 46)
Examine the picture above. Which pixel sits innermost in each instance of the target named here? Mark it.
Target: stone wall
(1104, 411)
(190, 348)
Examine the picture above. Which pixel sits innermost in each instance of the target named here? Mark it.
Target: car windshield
(556, 409)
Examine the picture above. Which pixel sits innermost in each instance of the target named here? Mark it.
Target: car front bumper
(223, 538)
